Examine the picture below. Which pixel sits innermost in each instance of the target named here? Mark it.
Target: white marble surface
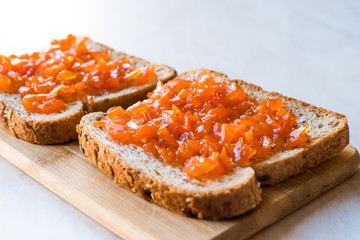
(306, 49)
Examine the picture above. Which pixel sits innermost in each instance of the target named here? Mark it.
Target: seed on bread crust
(129, 177)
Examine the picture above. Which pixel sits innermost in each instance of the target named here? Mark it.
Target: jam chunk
(207, 128)
(68, 71)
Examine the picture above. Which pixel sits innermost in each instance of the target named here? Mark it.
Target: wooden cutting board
(64, 170)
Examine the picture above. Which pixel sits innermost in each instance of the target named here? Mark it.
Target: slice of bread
(61, 127)
(135, 169)
(230, 195)
(329, 133)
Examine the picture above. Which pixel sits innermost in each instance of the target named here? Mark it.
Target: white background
(309, 50)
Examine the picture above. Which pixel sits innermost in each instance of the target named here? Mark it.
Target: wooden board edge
(94, 211)
(236, 231)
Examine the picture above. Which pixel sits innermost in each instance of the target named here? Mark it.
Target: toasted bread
(61, 127)
(229, 195)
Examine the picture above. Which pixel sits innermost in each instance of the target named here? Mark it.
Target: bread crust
(41, 132)
(54, 130)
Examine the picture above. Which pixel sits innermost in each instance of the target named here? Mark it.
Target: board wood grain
(64, 170)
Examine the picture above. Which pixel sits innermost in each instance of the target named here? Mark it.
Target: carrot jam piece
(205, 127)
(68, 71)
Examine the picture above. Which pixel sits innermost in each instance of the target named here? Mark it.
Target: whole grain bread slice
(169, 187)
(61, 127)
(230, 195)
(329, 133)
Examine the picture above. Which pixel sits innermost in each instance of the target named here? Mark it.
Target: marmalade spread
(205, 127)
(69, 70)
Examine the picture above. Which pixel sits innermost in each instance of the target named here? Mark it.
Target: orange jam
(205, 127)
(69, 70)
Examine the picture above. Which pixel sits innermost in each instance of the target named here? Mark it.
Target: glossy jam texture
(205, 127)
(69, 70)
